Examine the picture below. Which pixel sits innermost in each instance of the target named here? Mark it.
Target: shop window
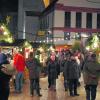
(77, 36)
(66, 36)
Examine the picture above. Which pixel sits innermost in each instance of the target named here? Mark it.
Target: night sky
(11, 5)
(8, 5)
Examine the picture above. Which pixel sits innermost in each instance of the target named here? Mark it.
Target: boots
(38, 92)
(87, 89)
(75, 93)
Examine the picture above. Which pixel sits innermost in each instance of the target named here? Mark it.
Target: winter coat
(34, 68)
(3, 58)
(57, 67)
(91, 73)
(52, 69)
(71, 70)
(4, 78)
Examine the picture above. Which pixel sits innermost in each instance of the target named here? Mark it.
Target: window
(77, 36)
(66, 36)
(67, 19)
(47, 21)
(89, 20)
(43, 23)
(98, 20)
(98, 35)
(78, 19)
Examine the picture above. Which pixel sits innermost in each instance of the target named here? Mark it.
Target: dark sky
(8, 5)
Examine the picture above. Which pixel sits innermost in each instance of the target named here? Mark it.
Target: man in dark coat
(71, 73)
(52, 72)
(33, 66)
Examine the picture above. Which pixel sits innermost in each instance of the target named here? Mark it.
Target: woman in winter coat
(4, 78)
(71, 74)
(52, 72)
(34, 74)
(91, 74)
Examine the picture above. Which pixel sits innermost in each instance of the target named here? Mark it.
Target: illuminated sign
(41, 33)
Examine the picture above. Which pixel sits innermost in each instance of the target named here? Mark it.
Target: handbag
(8, 69)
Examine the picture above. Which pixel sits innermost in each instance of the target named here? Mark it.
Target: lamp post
(50, 35)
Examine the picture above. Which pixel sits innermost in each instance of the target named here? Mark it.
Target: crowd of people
(71, 63)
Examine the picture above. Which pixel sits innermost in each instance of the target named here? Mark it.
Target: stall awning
(17, 42)
(62, 47)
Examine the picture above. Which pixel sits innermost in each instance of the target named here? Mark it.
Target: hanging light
(5, 33)
(88, 48)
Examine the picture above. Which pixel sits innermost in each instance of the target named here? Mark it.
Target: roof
(17, 42)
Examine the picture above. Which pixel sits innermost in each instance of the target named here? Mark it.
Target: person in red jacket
(19, 63)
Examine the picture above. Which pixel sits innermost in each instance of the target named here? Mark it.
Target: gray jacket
(91, 73)
(34, 68)
(71, 70)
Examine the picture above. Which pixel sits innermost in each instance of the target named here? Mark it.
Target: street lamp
(49, 33)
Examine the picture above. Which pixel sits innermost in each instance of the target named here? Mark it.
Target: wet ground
(60, 94)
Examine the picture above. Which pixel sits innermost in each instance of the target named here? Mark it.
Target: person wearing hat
(4, 78)
(91, 74)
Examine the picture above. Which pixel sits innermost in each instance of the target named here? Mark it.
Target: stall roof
(34, 44)
(3, 43)
(17, 42)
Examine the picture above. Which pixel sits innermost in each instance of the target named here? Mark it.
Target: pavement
(59, 94)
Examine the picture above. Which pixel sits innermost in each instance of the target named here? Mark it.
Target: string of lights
(57, 39)
(91, 1)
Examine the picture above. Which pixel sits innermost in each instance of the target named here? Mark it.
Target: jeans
(19, 81)
(34, 84)
(51, 82)
(91, 92)
(65, 84)
(72, 86)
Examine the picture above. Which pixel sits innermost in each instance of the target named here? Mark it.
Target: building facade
(28, 18)
(61, 23)
(32, 19)
(77, 19)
